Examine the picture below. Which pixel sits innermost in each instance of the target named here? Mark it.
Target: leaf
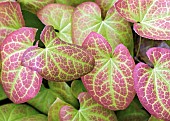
(20, 83)
(34, 5)
(87, 18)
(2, 93)
(13, 112)
(89, 111)
(60, 17)
(132, 113)
(10, 19)
(77, 87)
(38, 117)
(53, 114)
(59, 61)
(152, 85)
(72, 2)
(151, 18)
(152, 118)
(110, 83)
(105, 5)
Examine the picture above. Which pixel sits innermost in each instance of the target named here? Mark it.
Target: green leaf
(89, 111)
(87, 18)
(72, 2)
(77, 87)
(60, 17)
(152, 118)
(2, 93)
(38, 117)
(34, 5)
(13, 112)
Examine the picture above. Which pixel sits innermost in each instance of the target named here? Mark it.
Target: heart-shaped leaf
(71, 2)
(34, 5)
(20, 83)
(151, 18)
(59, 61)
(153, 85)
(105, 5)
(10, 18)
(87, 18)
(110, 83)
(16, 112)
(60, 17)
(89, 111)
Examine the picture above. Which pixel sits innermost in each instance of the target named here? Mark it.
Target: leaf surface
(72, 2)
(13, 112)
(59, 61)
(87, 18)
(151, 18)
(2, 93)
(34, 5)
(38, 117)
(110, 83)
(89, 111)
(152, 118)
(152, 85)
(60, 17)
(20, 83)
(10, 18)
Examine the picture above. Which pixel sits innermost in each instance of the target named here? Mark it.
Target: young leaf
(20, 83)
(10, 18)
(87, 18)
(110, 83)
(89, 111)
(59, 61)
(152, 85)
(151, 18)
(34, 5)
(13, 112)
(59, 16)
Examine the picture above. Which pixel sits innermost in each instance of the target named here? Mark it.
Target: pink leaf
(153, 85)
(59, 61)
(110, 83)
(10, 18)
(151, 18)
(19, 82)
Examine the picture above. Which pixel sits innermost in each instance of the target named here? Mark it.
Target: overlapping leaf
(10, 18)
(2, 93)
(60, 17)
(34, 5)
(153, 85)
(110, 83)
(87, 18)
(152, 118)
(59, 61)
(105, 5)
(89, 111)
(13, 112)
(151, 18)
(38, 117)
(20, 83)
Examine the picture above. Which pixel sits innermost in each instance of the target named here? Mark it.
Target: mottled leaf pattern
(110, 83)
(105, 5)
(89, 111)
(59, 61)
(10, 18)
(87, 18)
(53, 114)
(71, 2)
(60, 17)
(20, 83)
(151, 18)
(15, 112)
(34, 5)
(152, 85)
